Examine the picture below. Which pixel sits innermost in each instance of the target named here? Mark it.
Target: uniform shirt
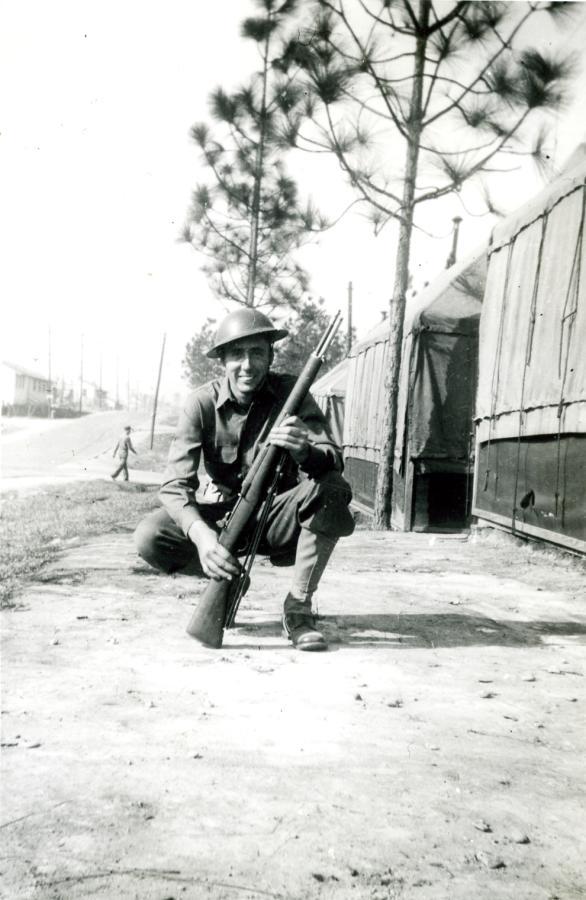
(123, 446)
(230, 436)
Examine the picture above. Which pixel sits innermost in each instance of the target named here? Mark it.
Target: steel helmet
(244, 323)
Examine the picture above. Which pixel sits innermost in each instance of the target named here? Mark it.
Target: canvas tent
(330, 393)
(432, 470)
(531, 405)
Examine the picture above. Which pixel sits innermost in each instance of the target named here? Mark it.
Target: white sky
(97, 170)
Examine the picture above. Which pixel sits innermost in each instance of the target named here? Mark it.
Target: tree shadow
(414, 631)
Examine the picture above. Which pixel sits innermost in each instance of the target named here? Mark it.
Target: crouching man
(227, 421)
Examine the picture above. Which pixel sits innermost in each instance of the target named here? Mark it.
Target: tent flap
(442, 396)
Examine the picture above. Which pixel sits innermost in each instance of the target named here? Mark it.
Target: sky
(97, 170)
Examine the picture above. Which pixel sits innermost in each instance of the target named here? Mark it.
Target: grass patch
(154, 460)
(34, 528)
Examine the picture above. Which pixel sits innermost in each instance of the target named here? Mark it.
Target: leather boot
(299, 625)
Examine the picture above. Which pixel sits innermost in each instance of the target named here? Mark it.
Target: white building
(22, 391)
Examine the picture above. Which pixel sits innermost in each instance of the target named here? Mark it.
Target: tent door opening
(441, 500)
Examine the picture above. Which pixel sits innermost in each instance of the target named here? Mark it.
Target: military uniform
(224, 424)
(122, 448)
(313, 496)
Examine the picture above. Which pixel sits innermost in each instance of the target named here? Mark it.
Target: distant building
(23, 392)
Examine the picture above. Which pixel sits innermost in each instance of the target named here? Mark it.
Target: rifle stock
(207, 622)
(211, 615)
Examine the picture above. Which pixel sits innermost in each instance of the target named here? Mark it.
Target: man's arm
(180, 480)
(116, 449)
(130, 447)
(179, 487)
(308, 439)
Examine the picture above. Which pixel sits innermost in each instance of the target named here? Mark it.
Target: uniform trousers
(303, 527)
(122, 467)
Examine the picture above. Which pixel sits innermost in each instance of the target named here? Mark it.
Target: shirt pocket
(227, 452)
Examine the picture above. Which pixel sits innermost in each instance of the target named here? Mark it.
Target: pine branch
(376, 18)
(453, 104)
(477, 167)
(453, 14)
(228, 189)
(222, 235)
(390, 24)
(363, 104)
(390, 59)
(242, 288)
(226, 292)
(409, 9)
(440, 152)
(368, 179)
(351, 174)
(441, 58)
(398, 124)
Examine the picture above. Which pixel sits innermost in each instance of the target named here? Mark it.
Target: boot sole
(311, 646)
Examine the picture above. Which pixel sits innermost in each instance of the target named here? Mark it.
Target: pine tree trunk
(384, 487)
(258, 176)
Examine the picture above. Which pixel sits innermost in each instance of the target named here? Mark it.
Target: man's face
(247, 362)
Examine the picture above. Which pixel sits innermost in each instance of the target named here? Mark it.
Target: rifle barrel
(329, 334)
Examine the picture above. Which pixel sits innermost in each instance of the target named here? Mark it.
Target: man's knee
(329, 508)
(147, 539)
(335, 482)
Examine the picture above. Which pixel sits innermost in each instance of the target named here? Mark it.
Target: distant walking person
(122, 448)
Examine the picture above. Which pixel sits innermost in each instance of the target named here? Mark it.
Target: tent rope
(528, 353)
(569, 318)
(494, 386)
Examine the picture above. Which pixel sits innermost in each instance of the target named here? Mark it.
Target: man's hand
(216, 561)
(291, 435)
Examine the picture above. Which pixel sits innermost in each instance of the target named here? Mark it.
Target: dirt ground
(434, 753)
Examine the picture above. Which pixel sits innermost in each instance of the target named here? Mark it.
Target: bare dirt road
(53, 451)
(434, 753)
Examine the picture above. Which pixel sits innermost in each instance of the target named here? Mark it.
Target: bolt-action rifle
(219, 602)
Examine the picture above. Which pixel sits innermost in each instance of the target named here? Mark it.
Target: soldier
(226, 421)
(122, 448)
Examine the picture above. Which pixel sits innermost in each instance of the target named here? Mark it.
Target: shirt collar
(225, 394)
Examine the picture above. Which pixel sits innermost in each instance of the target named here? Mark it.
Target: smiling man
(226, 422)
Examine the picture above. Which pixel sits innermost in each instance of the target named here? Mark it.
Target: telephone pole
(81, 379)
(50, 391)
(155, 401)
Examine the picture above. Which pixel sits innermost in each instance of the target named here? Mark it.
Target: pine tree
(197, 367)
(417, 100)
(306, 327)
(248, 218)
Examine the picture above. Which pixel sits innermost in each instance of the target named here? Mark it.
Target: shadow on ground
(411, 631)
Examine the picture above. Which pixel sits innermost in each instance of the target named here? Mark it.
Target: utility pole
(81, 379)
(50, 391)
(349, 335)
(100, 388)
(117, 383)
(128, 392)
(155, 401)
